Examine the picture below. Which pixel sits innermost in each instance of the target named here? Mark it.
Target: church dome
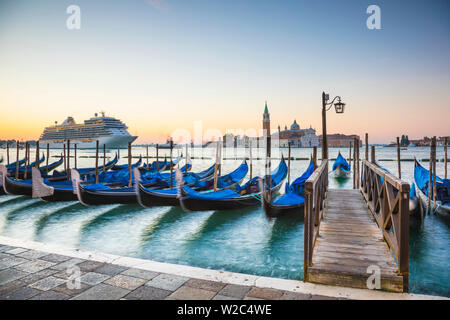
(295, 126)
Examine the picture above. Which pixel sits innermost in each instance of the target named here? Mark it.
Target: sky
(162, 65)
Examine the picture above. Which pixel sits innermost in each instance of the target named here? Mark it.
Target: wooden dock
(349, 243)
(353, 234)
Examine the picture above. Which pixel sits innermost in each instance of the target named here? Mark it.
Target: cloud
(161, 5)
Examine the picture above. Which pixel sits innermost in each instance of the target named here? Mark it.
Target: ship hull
(111, 142)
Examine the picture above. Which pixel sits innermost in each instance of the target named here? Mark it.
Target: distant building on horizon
(340, 140)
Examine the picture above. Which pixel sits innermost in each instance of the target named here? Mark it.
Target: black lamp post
(339, 107)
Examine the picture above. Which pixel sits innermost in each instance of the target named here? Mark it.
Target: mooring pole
(289, 163)
(157, 157)
(216, 166)
(37, 154)
(430, 177)
(27, 162)
(314, 158)
(354, 163)
(372, 154)
(130, 182)
(47, 156)
(251, 159)
(269, 155)
(357, 165)
(398, 159)
(96, 161)
(65, 160)
(445, 156)
(434, 172)
(75, 156)
(147, 155)
(17, 159)
(350, 152)
(104, 157)
(171, 164)
(68, 159)
(367, 146)
(7, 152)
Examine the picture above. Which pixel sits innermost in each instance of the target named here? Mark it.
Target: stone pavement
(34, 275)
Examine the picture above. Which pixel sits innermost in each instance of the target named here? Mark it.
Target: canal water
(240, 241)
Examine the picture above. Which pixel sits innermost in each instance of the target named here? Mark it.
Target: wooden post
(118, 153)
(269, 169)
(367, 146)
(157, 157)
(75, 156)
(445, 156)
(434, 172)
(216, 166)
(147, 155)
(47, 156)
(357, 164)
(430, 176)
(372, 154)
(130, 182)
(354, 163)
(220, 157)
(289, 163)
(324, 129)
(251, 159)
(314, 158)
(104, 157)
(37, 154)
(17, 160)
(171, 166)
(398, 159)
(96, 161)
(27, 160)
(65, 160)
(186, 170)
(68, 159)
(350, 153)
(7, 152)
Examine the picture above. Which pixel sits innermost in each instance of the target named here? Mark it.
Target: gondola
(43, 169)
(170, 197)
(125, 166)
(14, 186)
(242, 197)
(341, 168)
(157, 166)
(293, 201)
(64, 190)
(421, 179)
(1, 159)
(13, 165)
(84, 172)
(100, 193)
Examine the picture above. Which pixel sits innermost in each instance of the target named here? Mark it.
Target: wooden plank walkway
(349, 242)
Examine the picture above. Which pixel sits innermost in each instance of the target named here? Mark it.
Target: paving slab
(11, 262)
(11, 274)
(16, 251)
(102, 292)
(88, 266)
(34, 266)
(51, 295)
(23, 293)
(111, 269)
(4, 248)
(205, 285)
(220, 297)
(235, 291)
(265, 293)
(33, 277)
(189, 293)
(148, 293)
(47, 283)
(63, 288)
(125, 282)
(93, 278)
(57, 258)
(287, 295)
(63, 266)
(167, 282)
(139, 273)
(32, 254)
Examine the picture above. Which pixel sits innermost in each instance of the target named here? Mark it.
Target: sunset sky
(160, 65)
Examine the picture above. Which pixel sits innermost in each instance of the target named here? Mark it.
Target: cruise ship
(108, 131)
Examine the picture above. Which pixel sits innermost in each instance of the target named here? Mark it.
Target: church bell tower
(266, 121)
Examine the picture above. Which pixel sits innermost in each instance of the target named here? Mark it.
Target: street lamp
(339, 107)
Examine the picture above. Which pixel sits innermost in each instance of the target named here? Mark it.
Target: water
(239, 241)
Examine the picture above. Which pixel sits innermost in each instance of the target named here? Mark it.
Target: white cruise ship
(108, 131)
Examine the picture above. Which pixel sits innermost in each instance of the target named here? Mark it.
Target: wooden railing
(316, 188)
(388, 199)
